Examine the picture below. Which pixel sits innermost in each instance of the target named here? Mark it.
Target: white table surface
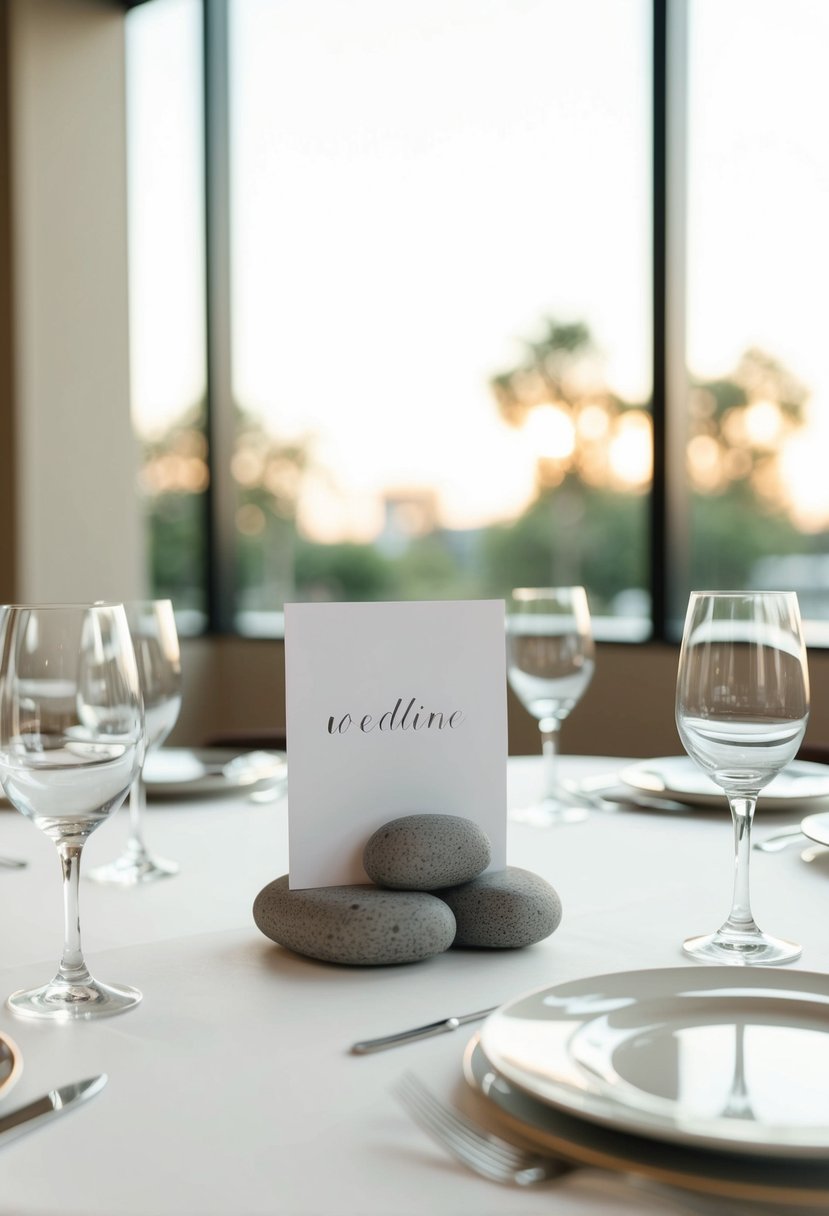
(231, 1088)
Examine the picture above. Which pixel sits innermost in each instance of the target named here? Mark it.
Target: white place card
(392, 709)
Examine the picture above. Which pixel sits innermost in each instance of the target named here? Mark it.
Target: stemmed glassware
(550, 662)
(155, 638)
(71, 742)
(742, 704)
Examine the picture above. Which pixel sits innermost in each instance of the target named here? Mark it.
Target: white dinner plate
(679, 777)
(180, 772)
(799, 1185)
(11, 1064)
(716, 1057)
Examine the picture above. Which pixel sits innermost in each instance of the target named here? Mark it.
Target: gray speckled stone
(358, 925)
(426, 852)
(505, 909)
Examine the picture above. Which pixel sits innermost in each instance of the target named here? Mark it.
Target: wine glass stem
(742, 813)
(550, 728)
(138, 799)
(72, 968)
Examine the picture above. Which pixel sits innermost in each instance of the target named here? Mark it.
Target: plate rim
(603, 1109)
(808, 823)
(17, 1063)
(629, 1153)
(715, 797)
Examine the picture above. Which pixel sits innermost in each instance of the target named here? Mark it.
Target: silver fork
(482, 1152)
(498, 1160)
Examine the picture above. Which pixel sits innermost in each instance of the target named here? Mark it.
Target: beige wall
(236, 684)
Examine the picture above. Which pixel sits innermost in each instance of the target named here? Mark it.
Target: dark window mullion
(659, 489)
(221, 501)
(670, 499)
(677, 497)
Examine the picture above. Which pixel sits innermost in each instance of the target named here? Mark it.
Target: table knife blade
(55, 1102)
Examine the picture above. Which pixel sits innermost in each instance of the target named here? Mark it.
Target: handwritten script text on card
(436, 720)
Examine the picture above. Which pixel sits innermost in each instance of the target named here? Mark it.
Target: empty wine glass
(742, 704)
(550, 662)
(155, 638)
(71, 741)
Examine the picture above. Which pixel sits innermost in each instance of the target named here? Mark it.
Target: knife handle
(404, 1036)
(419, 1032)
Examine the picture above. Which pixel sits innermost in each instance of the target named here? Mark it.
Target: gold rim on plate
(11, 1063)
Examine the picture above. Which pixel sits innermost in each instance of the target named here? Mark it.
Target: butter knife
(418, 1032)
(28, 1117)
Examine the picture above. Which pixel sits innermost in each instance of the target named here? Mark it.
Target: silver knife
(25, 1118)
(418, 1032)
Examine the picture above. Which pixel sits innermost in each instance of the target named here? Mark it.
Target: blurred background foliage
(586, 522)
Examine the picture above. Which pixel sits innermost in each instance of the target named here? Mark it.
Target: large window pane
(167, 341)
(441, 314)
(758, 268)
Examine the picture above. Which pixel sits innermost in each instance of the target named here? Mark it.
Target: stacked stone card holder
(430, 892)
(360, 925)
(426, 852)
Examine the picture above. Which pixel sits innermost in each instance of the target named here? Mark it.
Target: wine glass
(550, 657)
(742, 704)
(153, 627)
(71, 741)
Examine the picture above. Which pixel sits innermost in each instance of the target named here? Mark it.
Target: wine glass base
(130, 871)
(60, 1001)
(549, 813)
(742, 949)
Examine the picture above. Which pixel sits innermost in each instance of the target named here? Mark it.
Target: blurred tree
(269, 474)
(587, 521)
(611, 531)
(341, 572)
(173, 481)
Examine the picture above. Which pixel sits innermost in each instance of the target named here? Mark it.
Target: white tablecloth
(231, 1089)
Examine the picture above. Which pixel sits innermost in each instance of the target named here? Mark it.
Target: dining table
(232, 1089)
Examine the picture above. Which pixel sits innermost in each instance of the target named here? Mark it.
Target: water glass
(155, 638)
(742, 704)
(550, 662)
(71, 743)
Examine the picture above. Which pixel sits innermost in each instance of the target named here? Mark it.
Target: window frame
(669, 499)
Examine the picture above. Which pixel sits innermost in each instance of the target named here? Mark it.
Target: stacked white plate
(796, 787)
(182, 772)
(710, 1078)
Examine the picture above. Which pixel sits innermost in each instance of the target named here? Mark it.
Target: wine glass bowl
(742, 705)
(550, 663)
(152, 626)
(71, 742)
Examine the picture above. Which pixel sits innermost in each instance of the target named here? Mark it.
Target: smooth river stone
(505, 909)
(426, 852)
(358, 925)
